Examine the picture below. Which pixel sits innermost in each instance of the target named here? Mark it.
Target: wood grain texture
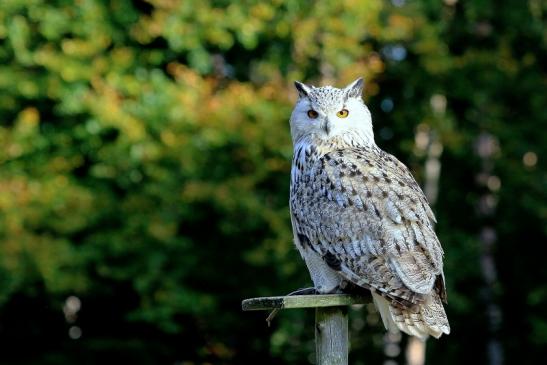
(302, 301)
(331, 336)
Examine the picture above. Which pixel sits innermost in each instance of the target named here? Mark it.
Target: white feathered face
(327, 112)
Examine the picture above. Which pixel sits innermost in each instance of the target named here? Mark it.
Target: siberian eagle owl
(359, 216)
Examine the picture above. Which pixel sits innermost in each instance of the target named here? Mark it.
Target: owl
(359, 218)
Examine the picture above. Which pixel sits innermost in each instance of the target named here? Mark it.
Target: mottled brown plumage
(359, 216)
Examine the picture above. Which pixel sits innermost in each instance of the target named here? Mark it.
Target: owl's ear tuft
(303, 89)
(355, 89)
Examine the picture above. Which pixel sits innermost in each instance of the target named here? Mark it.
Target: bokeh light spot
(529, 159)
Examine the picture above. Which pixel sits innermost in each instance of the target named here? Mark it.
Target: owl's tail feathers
(424, 319)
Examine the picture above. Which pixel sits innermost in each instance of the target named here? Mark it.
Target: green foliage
(146, 155)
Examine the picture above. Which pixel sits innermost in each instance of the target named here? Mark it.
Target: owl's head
(328, 113)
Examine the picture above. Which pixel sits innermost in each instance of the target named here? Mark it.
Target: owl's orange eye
(342, 113)
(312, 114)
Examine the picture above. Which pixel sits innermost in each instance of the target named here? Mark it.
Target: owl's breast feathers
(363, 212)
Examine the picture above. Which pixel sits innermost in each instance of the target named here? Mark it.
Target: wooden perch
(331, 320)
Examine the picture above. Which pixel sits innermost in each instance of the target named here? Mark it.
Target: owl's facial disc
(328, 112)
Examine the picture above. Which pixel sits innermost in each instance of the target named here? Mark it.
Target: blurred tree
(145, 161)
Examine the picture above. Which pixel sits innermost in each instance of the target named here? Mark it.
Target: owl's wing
(363, 212)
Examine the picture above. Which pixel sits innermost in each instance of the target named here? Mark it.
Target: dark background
(145, 160)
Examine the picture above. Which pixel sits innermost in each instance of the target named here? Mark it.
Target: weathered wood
(331, 336)
(302, 301)
(331, 320)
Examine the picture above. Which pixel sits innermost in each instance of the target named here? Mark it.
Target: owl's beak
(326, 126)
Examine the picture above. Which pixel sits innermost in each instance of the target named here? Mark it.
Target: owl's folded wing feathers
(365, 214)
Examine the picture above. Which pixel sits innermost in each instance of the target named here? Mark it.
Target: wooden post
(331, 321)
(331, 336)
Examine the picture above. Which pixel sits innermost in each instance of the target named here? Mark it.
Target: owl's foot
(336, 290)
